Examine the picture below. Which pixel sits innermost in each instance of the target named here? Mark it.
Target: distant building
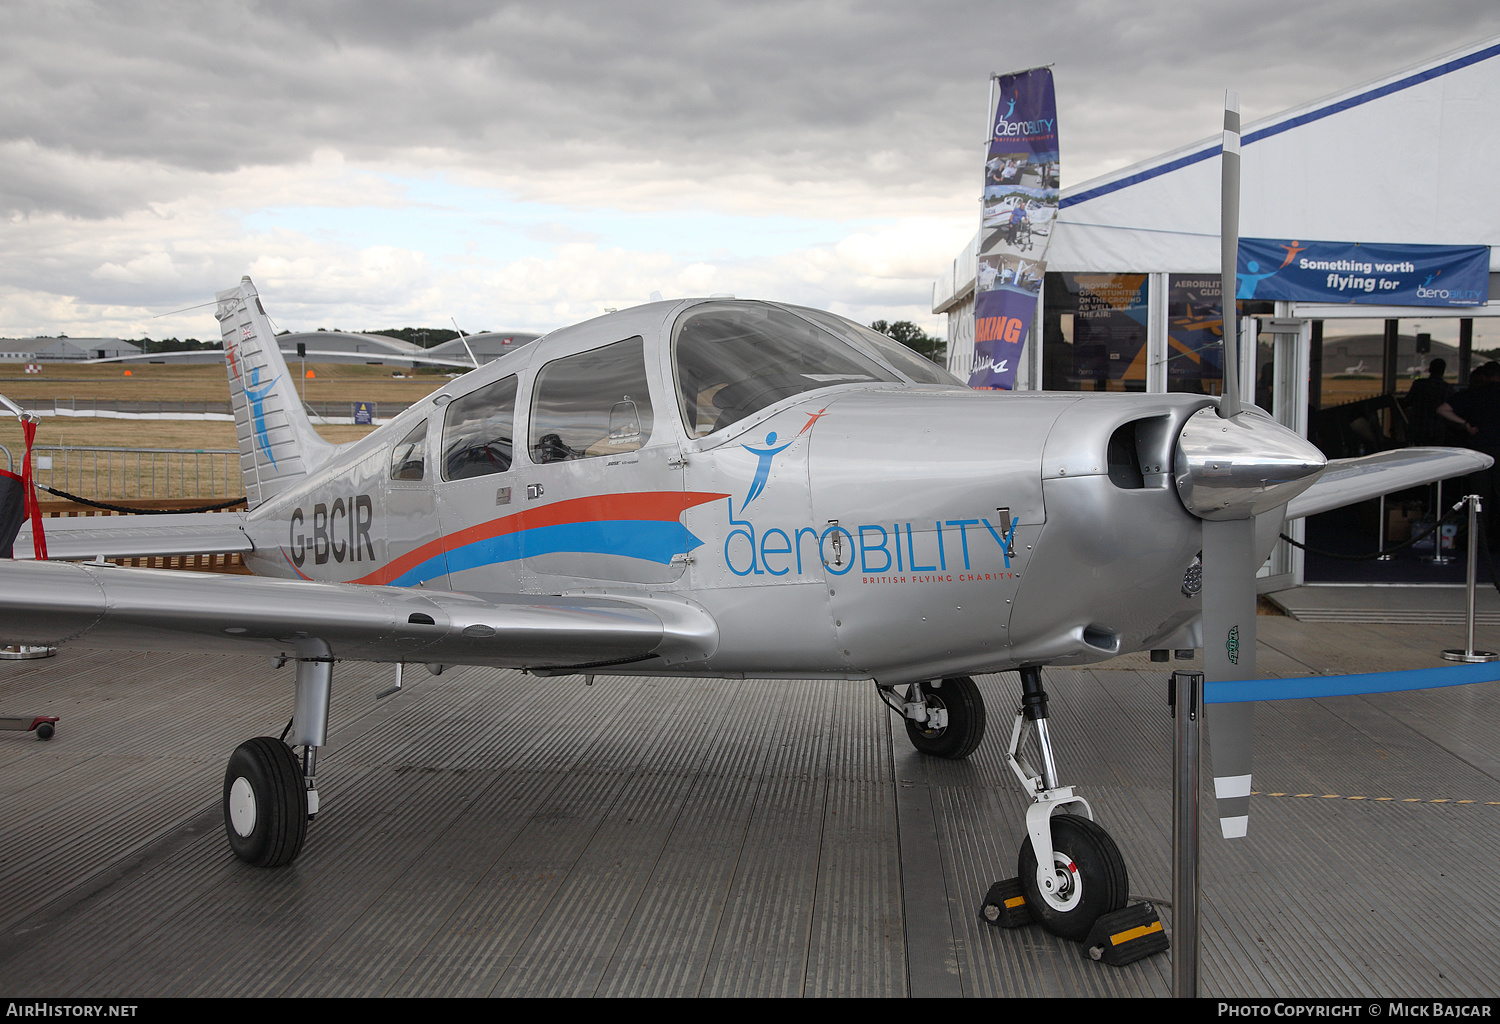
(56, 350)
(486, 347)
(348, 347)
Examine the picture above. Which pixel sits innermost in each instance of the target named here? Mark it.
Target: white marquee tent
(1413, 157)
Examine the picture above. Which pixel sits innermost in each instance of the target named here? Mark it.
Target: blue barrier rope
(1236, 691)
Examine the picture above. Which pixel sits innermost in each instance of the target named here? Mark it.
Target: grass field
(334, 382)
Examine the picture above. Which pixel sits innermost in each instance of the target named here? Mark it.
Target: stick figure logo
(763, 469)
(256, 393)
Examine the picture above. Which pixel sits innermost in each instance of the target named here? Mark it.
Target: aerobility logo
(906, 553)
(1005, 128)
(1425, 291)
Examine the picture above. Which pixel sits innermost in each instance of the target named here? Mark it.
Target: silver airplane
(707, 487)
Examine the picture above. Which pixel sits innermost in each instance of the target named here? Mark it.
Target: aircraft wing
(1346, 481)
(151, 609)
(172, 533)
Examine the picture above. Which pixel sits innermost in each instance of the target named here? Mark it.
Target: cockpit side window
(907, 362)
(479, 435)
(409, 458)
(591, 404)
(733, 359)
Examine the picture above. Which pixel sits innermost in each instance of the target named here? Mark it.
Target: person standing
(1423, 399)
(1477, 411)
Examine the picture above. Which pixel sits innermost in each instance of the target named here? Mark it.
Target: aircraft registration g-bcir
(708, 487)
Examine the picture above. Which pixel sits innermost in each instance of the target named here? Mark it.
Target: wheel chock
(1125, 936)
(1004, 906)
(43, 725)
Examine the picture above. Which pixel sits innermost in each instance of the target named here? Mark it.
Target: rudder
(278, 445)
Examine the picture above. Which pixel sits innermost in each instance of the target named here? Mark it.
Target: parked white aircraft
(708, 488)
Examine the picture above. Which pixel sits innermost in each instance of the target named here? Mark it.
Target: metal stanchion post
(1438, 558)
(1185, 695)
(1380, 535)
(1468, 654)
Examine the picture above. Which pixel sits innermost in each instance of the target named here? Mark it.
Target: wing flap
(1346, 481)
(150, 609)
(173, 533)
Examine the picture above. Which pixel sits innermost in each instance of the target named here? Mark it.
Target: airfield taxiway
(489, 833)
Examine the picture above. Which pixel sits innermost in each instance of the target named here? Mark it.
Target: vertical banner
(1017, 213)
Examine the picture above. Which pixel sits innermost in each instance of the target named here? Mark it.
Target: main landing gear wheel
(960, 697)
(265, 803)
(1090, 872)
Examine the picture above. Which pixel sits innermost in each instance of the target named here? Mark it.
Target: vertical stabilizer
(278, 445)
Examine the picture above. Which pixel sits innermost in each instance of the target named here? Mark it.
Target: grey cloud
(886, 96)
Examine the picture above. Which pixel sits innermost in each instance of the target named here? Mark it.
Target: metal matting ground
(488, 833)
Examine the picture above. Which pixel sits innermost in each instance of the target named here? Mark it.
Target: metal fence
(139, 472)
(336, 411)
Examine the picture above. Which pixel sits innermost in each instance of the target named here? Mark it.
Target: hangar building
(47, 350)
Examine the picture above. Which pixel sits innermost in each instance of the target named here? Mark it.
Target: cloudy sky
(527, 165)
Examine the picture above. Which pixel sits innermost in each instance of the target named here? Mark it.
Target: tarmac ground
(488, 833)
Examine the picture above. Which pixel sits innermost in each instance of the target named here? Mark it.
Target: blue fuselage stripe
(648, 539)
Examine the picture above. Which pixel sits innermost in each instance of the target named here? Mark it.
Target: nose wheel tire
(1091, 876)
(265, 803)
(960, 697)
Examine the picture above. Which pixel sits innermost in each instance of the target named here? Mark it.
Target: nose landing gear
(1069, 869)
(1088, 876)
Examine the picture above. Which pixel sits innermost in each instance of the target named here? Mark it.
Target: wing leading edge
(147, 609)
(1346, 481)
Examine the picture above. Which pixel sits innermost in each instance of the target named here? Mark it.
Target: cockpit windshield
(919, 369)
(733, 359)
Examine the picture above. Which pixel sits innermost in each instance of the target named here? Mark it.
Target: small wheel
(265, 803)
(45, 731)
(1091, 876)
(960, 697)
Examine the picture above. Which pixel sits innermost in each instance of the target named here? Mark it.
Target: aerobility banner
(1018, 211)
(1363, 272)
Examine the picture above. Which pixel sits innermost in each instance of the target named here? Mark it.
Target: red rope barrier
(28, 487)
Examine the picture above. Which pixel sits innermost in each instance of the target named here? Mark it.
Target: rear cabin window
(479, 434)
(733, 359)
(409, 458)
(591, 404)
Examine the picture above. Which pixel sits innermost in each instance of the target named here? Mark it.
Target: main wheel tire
(1092, 872)
(265, 803)
(960, 697)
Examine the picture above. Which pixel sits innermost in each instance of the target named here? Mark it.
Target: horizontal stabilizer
(173, 533)
(1347, 481)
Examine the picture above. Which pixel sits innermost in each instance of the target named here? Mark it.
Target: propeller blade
(1229, 566)
(1229, 253)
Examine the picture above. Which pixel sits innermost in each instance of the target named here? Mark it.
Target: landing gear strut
(268, 796)
(1070, 871)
